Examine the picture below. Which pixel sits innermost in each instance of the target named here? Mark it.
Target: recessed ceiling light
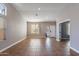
(38, 8)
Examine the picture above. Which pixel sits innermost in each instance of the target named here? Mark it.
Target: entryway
(64, 30)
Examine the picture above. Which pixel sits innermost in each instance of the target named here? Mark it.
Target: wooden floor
(39, 47)
(73, 53)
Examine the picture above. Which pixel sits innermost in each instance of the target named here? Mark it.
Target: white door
(51, 31)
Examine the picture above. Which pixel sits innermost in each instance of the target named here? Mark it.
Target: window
(34, 28)
(3, 10)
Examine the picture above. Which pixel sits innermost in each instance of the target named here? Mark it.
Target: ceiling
(40, 11)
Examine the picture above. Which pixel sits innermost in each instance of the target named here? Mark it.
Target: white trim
(74, 50)
(11, 45)
(57, 27)
(64, 21)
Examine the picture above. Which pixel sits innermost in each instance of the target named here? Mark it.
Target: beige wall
(42, 25)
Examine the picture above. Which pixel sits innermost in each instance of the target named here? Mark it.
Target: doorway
(64, 30)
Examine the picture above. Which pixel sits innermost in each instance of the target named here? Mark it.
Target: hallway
(39, 47)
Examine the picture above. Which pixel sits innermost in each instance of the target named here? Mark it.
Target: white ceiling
(47, 12)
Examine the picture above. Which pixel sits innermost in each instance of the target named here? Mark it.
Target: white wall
(15, 27)
(75, 27)
(72, 12)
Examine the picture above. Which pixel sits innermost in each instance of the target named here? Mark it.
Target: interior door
(51, 31)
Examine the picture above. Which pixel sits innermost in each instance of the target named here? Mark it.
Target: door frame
(57, 28)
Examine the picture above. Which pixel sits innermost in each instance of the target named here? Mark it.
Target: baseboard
(76, 51)
(12, 45)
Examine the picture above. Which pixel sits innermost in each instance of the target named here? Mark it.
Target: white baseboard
(74, 50)
(11, 45)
